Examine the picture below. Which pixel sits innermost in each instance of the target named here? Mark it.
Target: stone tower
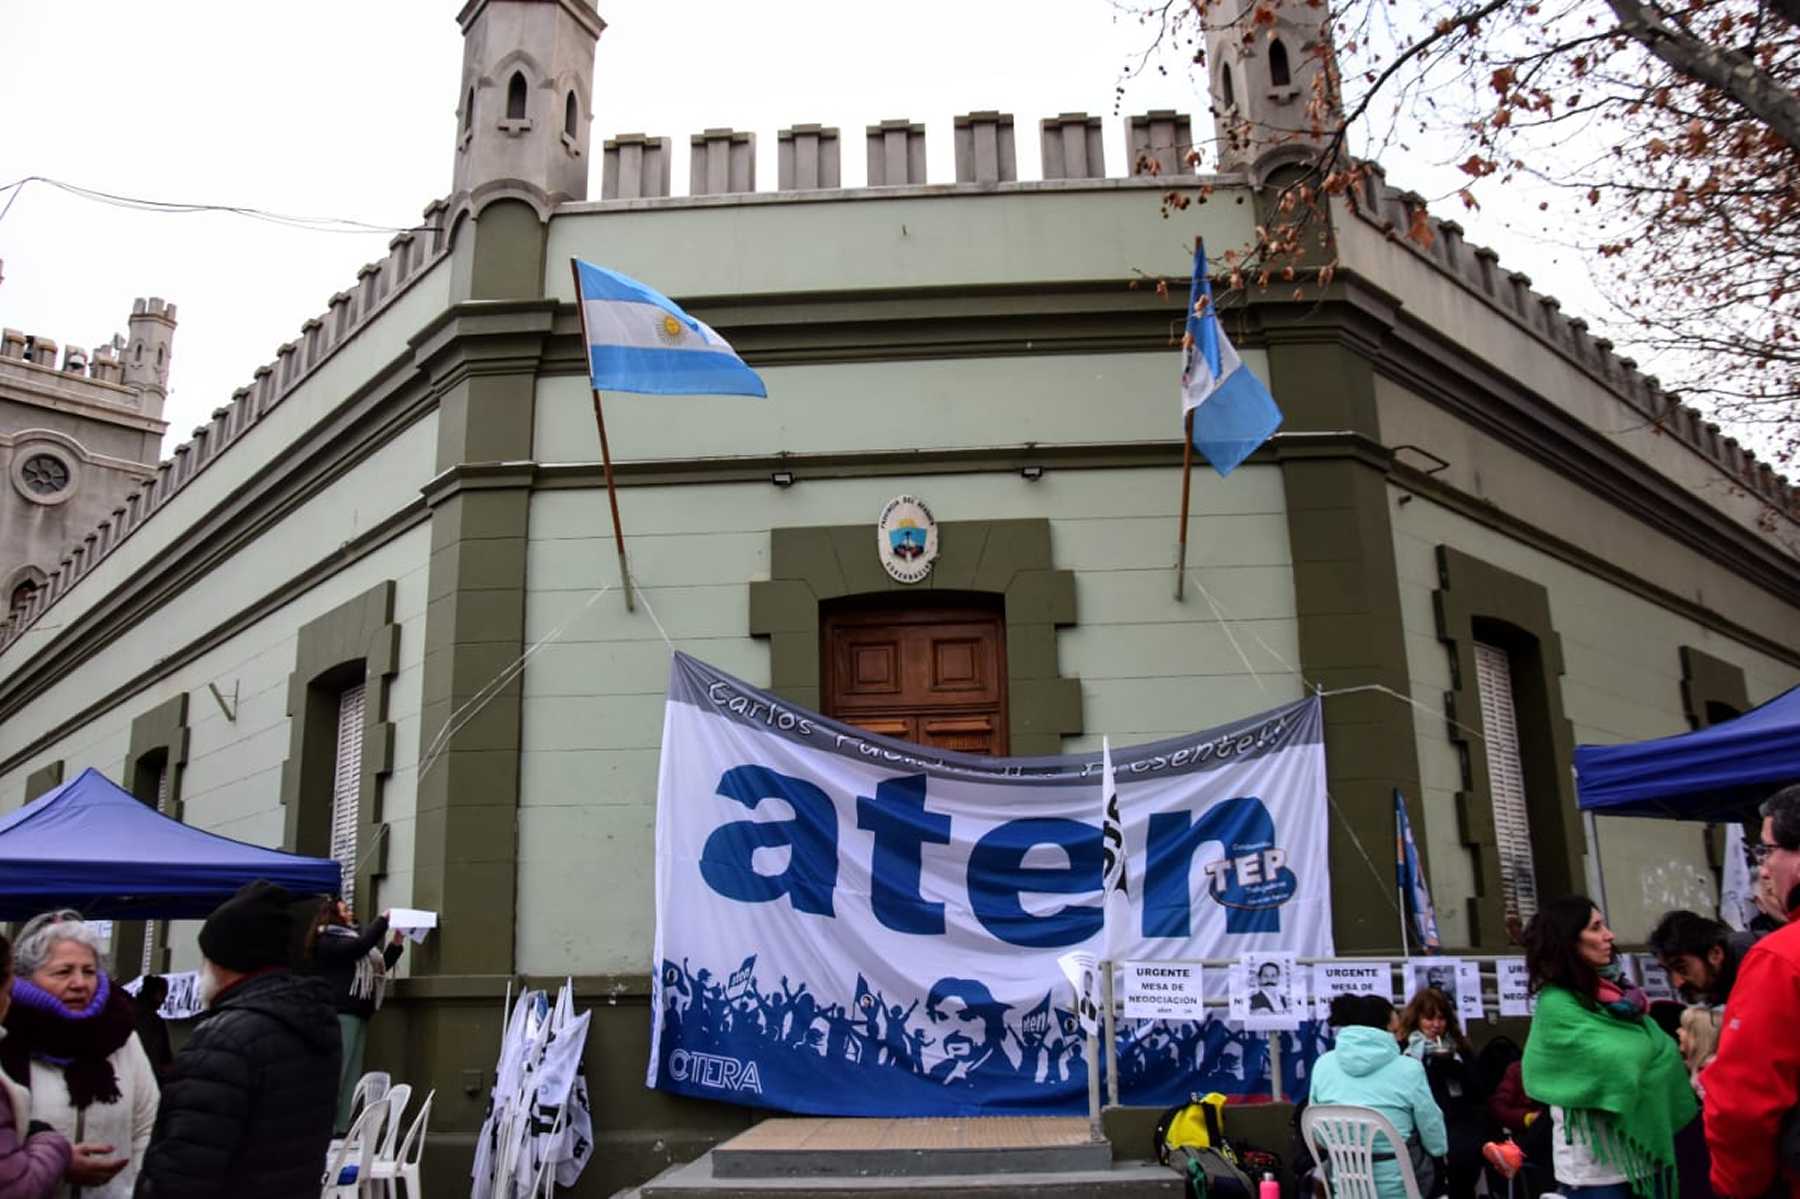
(148, 349)
(523, 110)
(1265, 83)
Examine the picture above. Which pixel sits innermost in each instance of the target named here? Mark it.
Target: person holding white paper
(356, 965)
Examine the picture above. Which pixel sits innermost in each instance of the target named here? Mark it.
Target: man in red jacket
(1754, 1082)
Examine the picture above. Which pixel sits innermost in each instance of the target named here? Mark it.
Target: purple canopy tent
(93, 846)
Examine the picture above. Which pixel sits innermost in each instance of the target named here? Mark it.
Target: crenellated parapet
(379, 283)
(102, 365)
(635, 166)
(1394, 211)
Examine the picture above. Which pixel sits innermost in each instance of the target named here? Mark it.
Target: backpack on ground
(1190, 1140)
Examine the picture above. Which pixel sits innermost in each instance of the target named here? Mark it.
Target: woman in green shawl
(1614, 1080)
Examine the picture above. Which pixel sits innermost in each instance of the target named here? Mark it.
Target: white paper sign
(1262, 992)
(1163, 991)
(1514, 982)
(1331, 979)
(1459, 980)
(1081, 968)
(414, 922)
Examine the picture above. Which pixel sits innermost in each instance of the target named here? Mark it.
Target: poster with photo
(1331, 979)
(1456, 978)
(1514, 983)
(1263, 992)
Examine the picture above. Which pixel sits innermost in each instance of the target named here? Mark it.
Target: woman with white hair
(71, 1038)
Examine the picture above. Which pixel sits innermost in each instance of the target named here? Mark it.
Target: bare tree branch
(1715, 66)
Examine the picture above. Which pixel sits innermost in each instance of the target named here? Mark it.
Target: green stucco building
(1473, 504)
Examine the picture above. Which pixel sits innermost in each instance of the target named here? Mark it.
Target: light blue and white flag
(1410, 879)
(640, 340)
(1233, 412)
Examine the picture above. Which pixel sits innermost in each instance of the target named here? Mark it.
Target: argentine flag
(1233, 412)
(640, 340)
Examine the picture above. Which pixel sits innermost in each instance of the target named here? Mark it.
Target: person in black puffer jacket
(248, 1108)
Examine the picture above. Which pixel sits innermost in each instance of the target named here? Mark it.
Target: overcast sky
(346, 108)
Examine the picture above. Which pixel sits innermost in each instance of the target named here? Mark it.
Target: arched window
(515, 97)
(1225, 86)
(22, 595)
(569, 115)
(469, 110)
(1279, 75)
(138, 353)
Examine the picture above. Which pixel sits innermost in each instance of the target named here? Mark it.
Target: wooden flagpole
(612, 491)
(1187, 463)
(1187, 478)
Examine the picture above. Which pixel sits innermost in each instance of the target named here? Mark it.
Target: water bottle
(1268, 1188)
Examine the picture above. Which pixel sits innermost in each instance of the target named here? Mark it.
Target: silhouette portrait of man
(973, 1040)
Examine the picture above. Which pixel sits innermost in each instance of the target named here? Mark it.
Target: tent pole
(1593, 840)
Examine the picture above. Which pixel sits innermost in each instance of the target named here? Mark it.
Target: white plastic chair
(354, 1153)
(397, 1099)
(1342, 1138)
(370, 1088)
(396, 1171)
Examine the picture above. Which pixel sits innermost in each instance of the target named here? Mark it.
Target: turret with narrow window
(148, 349)
(522, 120)
(1273, 99)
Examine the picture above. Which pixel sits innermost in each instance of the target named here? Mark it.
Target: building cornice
(45, 392)
(18, 691)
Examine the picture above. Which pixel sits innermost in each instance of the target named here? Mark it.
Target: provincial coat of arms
(906, 537)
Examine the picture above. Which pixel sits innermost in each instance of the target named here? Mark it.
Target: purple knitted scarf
(79, 1043)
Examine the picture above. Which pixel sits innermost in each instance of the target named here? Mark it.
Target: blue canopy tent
(93, 846)
(1718, 774)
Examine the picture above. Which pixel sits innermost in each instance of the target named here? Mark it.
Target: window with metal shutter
(346, 784)
(157, 931)
(1506, 780)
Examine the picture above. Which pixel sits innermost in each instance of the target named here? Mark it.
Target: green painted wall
(1148, 666)
(1016, 236)
(1622, 682)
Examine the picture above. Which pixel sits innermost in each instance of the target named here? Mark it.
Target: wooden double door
(931, 670)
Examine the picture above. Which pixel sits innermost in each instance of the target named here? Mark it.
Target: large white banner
(852, 925)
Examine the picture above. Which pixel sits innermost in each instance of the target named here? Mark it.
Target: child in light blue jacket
(1367, 1069)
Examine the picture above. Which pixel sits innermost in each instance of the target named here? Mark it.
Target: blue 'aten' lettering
(1250, 880)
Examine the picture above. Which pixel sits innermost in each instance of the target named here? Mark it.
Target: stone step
(842, 1147)
(697, 1180)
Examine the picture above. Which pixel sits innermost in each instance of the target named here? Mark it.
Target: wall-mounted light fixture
(1031, 474)
(782, 478)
